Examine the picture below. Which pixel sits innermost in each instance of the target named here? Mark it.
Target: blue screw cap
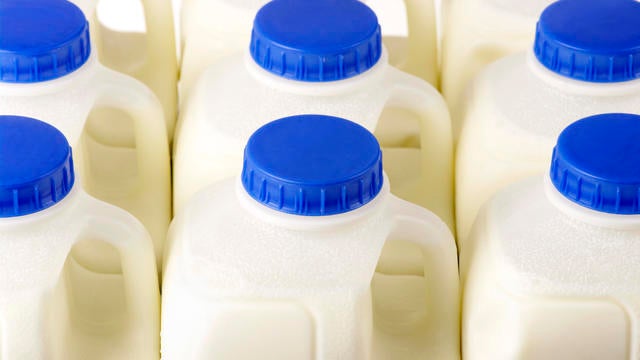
(596, 163)
(36, 166)
(41, 40)
(316, 41)
(312, 165)
(594, 41)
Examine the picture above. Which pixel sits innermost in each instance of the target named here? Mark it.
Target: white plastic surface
(478, 32)
(214, 29)
(544, 283)
(235, 97)
(248, 281)
(148, 55)
(130, 172)
(514, 113)
(54, 305)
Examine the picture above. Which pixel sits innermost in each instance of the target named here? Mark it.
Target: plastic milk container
(551, 268)
(54, 305)
(278, 263)
(48, 71)
(214, 29)
(585, 61)
(297, 66)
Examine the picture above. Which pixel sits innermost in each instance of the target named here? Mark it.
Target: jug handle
(134, 98)
(128, 236)
(424, 229)
(436, 142)
(420, 61)
(162, 44)
(158, 15)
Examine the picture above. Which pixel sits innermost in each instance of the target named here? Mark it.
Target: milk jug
(48, 71)
(586, 61)
(478, 32)
(149, 56)
(551, 267)
(52, 304)
(213, 29)
(302, 68)
(293, 243)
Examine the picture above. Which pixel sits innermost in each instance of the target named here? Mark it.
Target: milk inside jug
(585, 61)
(136, 37)
(301, 68)
(48, 71)
(213, 29)
(53, 305)
(551, 268)
(477, 33)
(293, 243)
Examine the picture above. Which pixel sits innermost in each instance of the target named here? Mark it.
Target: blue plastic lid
(312, 165)
(596, 163)
(594, 40)
(316, 41)
(41, 40)
(36, 167)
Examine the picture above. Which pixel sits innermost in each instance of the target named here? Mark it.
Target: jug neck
(72, 198)
(371, 76)
(312, 223)
(579, 87)
(588, 216)
(81, 75)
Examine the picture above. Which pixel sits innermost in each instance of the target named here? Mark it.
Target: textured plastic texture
(570, 276)
(41, 40)
(595, 41)
(36, 167)
(316, 41)
(596, 163)
(479, 32)
(312, 165)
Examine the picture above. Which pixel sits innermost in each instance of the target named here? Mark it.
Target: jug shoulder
(541, 250)
(230, 101)
(511, 94)
(223, 244)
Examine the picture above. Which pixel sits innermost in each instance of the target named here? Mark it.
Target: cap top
(41, 40)
(312, 165)
(595, 40)
(321, 40)
(596, 163)
(36, 167)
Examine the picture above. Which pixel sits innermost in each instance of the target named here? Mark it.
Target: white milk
(518, 106)
(478, 32)
(54, 304)
(136, 37)
(237, 95)
(132, 173)
(279, 262)
(213, 29)
(550, 271)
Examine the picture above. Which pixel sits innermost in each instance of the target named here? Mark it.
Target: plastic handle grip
(161, 64)
(116, 227)
(421, 19)
(424, 229)
(436, 143)
(152, 147)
